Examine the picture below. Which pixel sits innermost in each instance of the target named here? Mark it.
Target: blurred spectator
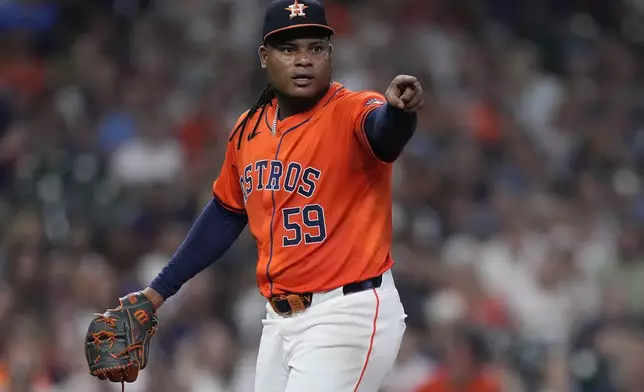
(152, 157)
(464, 366)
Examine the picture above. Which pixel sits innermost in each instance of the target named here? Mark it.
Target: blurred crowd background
(519, 203)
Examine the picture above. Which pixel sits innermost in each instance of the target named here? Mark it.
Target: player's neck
(292, 106)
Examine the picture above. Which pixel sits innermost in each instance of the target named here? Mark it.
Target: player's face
(298, 67)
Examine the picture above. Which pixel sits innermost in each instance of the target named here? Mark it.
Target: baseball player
(309, 169)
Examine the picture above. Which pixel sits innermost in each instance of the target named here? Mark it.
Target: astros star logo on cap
(299, 13)
(296, 9)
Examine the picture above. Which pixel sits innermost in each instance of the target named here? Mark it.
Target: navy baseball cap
(284, 15)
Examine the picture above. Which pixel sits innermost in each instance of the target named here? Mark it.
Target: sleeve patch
(374, 101)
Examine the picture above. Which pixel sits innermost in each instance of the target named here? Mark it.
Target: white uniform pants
(342, 343)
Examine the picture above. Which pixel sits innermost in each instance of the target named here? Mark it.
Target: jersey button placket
(270, 202)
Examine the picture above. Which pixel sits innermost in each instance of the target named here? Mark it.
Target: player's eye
(288, 49)
(317, 49)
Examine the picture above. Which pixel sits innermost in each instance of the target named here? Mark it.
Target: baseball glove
(118, 341)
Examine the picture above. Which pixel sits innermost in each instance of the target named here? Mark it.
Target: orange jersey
(318, 200)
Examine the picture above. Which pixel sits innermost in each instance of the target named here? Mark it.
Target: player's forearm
(212, 234)
(388, 130)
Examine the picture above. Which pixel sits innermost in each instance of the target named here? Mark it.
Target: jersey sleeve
(359, 107)
(227, 188)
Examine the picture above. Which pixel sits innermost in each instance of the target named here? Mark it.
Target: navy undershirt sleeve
(214, 231)
(388, 130)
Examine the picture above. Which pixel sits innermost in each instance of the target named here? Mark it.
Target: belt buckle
(295, 302)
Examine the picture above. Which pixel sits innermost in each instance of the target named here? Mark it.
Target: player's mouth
(302, 80)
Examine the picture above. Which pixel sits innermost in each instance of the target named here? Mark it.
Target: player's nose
(303, 59)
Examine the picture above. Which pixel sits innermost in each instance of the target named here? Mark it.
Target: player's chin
(304, 90)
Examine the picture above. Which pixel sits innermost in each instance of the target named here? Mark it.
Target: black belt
(287, 304)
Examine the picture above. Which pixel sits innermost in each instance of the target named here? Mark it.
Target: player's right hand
(405, 93)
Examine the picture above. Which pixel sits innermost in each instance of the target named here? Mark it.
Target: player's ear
(263, 54)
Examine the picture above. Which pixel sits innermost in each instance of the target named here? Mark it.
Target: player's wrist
(154, 297)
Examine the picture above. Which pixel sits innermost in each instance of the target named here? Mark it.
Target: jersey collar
(325, 100)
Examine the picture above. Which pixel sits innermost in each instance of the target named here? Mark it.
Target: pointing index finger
(405, 80)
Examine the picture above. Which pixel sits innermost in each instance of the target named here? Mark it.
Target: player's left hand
(405, 93)
(117, 343)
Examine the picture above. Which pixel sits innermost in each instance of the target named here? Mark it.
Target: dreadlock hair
(264, 99)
